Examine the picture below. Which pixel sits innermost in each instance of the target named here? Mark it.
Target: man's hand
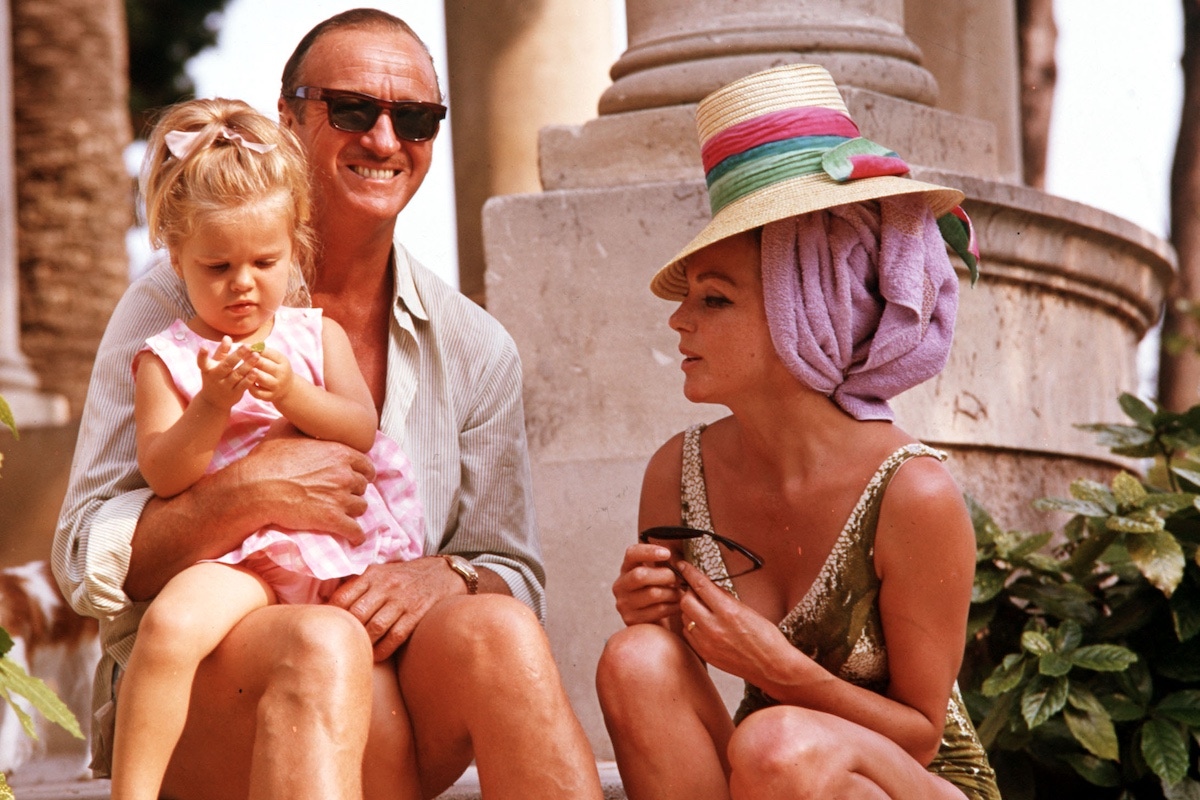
(390, 599)
(306, 484)
(289, 480)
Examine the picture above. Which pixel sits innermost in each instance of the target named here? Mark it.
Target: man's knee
(485, 636)
(320, 649)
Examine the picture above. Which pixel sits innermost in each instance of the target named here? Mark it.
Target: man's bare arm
(296, 483)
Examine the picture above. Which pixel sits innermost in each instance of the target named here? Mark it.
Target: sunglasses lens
(352, 114)
(415, 123)
(736, 564)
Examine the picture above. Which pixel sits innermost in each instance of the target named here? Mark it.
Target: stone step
(37, 784)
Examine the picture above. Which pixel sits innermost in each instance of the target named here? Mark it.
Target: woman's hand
(728, 634)
(647, 590)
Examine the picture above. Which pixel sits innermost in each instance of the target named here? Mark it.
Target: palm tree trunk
(1037, 35)
(74, 196)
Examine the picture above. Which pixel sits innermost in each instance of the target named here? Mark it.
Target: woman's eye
(716, 301)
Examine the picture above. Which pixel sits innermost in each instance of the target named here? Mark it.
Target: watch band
(466, 570)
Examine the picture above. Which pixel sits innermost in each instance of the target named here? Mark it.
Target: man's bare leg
(479, 680)
(280, 709)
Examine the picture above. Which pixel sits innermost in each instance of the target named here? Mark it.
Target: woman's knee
(640, 655)
(787, 743)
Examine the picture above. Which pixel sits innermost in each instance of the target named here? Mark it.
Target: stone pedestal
(1045, 340)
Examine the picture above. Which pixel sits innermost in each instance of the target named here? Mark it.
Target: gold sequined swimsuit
(837, 622)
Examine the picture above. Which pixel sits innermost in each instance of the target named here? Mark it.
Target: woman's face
(722, 326)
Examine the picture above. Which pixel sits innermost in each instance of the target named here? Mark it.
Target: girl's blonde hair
(218, 174)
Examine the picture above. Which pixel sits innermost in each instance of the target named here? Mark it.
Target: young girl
(226, 193)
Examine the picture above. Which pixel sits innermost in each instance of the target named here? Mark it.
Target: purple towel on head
(860, 300)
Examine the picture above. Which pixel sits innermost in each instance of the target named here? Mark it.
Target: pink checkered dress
(313, 562)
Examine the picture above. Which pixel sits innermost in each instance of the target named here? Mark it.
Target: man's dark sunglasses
(739, 560)
(354, 112)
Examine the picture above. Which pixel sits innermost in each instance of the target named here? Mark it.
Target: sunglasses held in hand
(739, 559)
(355, 112)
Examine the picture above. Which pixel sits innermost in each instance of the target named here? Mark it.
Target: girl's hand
(225, 374)
(646, 590)
(272, 377)
(727, 633)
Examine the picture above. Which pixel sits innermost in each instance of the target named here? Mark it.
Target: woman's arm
(925, 557)
(646, 590)
(341, 412)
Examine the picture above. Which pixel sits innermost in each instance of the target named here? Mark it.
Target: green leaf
(1182, 706)
(258, 347)
(1067, 636)
(1094, 492)
(1190, 473)
(1043, 699)
(1021, 544)
(1095, 731)
(6, 417)
(1185, 610)
(989, 582)
(14, 679)
(6, 641)
(1084, 700)
(1054, 665)
(1137, 409)
(1127, 440)
(1165, 750)
(1007, 675)
(22, 715)
(6, 792)
(1128, 491)
(1103, 657)
(1140, 524)
(1082, 507)
(1159, 558)
(1095, 771)
(985, 527)
(1122, 709)
(1036, 643)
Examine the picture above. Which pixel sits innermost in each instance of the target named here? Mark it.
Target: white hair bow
(183, 143)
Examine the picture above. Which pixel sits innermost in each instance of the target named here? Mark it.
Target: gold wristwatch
(465, 570)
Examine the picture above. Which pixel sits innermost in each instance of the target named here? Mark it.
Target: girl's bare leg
(480, 681)
(188, 619)
(791, 752)
(669, 726)
(280, 709)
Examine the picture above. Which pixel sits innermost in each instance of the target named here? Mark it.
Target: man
(281, 708)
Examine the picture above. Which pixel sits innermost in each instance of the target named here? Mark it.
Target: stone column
(680, 50)
(1045, 340)
(513, 70)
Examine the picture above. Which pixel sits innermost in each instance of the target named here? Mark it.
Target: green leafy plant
(1085, 660)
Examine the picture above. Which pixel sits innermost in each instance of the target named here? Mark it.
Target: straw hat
(780, 143)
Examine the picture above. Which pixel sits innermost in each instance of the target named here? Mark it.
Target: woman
(837, 576)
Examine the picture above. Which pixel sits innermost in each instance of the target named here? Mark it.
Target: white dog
(51, 642)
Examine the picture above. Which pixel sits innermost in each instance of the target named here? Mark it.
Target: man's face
(364, 177)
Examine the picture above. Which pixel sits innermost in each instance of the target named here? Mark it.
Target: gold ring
(691, 626)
